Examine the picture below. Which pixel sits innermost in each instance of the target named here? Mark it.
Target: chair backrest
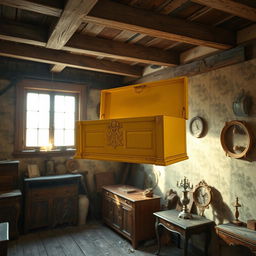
(103, 179)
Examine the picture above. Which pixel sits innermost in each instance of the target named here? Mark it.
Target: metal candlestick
(185, 185)
(237, 221)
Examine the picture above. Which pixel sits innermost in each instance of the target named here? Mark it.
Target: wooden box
(251, 224)
(140, 124)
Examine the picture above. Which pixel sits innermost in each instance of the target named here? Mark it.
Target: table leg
(157, 236)
(179, 241)
(207, 242)
(186, 238)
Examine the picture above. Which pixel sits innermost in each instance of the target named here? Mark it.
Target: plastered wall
(210, 96)
(7, 131)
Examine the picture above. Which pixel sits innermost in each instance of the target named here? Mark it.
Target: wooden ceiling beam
(195, 53)
(232, 7)
(216, 61)
(246, 34)
(22, 33)
(57, 68)
(172, 6)
(122, 51)
(51, 8)
(124, 17)
(50, 56)
(69, 21)
(91, 45)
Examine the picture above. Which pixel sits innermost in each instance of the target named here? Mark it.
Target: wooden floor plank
(110, 245)
(69, 245)
(51, 244)
(123, 244)
(89, 240)
(15, 248)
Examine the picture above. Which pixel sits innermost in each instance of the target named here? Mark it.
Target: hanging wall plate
(236, 139)
(242, 105)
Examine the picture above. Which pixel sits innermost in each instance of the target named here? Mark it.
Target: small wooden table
(169, 219)
(4, 237)
(237, 235)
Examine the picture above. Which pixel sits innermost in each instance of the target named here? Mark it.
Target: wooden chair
(100, 179)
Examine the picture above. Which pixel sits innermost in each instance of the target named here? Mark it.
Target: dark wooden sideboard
(130, 214)
(51, 201)
(10, 195)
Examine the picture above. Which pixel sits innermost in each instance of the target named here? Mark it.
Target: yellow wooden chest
(144, 123)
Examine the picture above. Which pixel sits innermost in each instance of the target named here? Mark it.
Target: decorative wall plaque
(115, 135)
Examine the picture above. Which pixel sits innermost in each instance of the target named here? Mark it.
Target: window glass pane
(32, 101)
(43, 137)
(59, 103)
(43, 119)
(31, 138)
(69, 104)
(59, 120)
(69, 137)
(59, 137)
(69, 121)
(44, 102)
(32, 119)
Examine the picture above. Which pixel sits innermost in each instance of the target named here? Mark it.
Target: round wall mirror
(236, 139)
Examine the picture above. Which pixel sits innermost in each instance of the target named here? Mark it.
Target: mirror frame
(248, 132)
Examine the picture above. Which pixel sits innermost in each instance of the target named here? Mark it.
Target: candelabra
(185, 185)
(237, 221)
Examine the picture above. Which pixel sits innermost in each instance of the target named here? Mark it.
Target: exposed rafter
(69, 21)
(22, 33)
(164, 26)
(232, 7)
(172, 6)
(44, 55)
(218, 60)
(246, 34)
(91, 45)
(51, 8)
(121, 51)
(57, 68)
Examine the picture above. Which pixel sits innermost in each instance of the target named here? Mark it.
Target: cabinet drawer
(108, 194)
(118, 200)
(171, 226)
(40, 194)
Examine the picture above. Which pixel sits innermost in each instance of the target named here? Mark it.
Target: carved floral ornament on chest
(115, 136)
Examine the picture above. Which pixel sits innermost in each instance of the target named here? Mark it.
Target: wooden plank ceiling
(124, 36)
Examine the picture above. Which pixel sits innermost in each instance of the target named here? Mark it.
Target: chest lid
(166, 97)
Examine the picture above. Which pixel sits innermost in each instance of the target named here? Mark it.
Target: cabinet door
(117, 215)
(107, 209)
(39, 214)
(64, 210)
(127, 225)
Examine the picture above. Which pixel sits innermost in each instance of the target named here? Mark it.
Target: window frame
(28, 85)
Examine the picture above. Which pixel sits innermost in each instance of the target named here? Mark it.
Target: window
(46, 115)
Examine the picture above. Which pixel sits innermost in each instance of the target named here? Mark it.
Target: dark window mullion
(51, 130)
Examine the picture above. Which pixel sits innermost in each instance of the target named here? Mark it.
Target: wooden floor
(89, 240)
